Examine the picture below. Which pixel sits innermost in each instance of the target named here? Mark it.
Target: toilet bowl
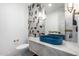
(22, 46)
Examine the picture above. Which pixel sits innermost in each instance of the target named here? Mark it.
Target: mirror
(53, 18)
(55, 21)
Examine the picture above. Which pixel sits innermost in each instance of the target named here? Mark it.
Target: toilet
(22, 46)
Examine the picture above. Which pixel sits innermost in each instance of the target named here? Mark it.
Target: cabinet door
(43, 50)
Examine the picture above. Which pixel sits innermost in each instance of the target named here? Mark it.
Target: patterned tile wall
(35, 19)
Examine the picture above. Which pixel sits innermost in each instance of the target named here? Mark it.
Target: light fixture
(49, 4)
(70, 7)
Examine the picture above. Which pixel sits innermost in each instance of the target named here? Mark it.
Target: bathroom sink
(52, 39)
(22, 46)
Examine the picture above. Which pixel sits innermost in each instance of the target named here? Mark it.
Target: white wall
(13, 26)
(55, 20)
(68, 18)
(61, 20)
(78, 29)
(51, 23)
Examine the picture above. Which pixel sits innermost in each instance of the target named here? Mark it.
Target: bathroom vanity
(45, 49)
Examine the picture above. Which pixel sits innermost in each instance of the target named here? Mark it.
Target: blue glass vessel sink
(52, 39)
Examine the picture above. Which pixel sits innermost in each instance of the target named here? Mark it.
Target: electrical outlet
(17, 40)
(14, 40)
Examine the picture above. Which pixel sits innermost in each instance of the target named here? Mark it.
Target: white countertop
(68, 47)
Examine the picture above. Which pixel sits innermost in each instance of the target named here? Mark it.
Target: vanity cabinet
(45, 49)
